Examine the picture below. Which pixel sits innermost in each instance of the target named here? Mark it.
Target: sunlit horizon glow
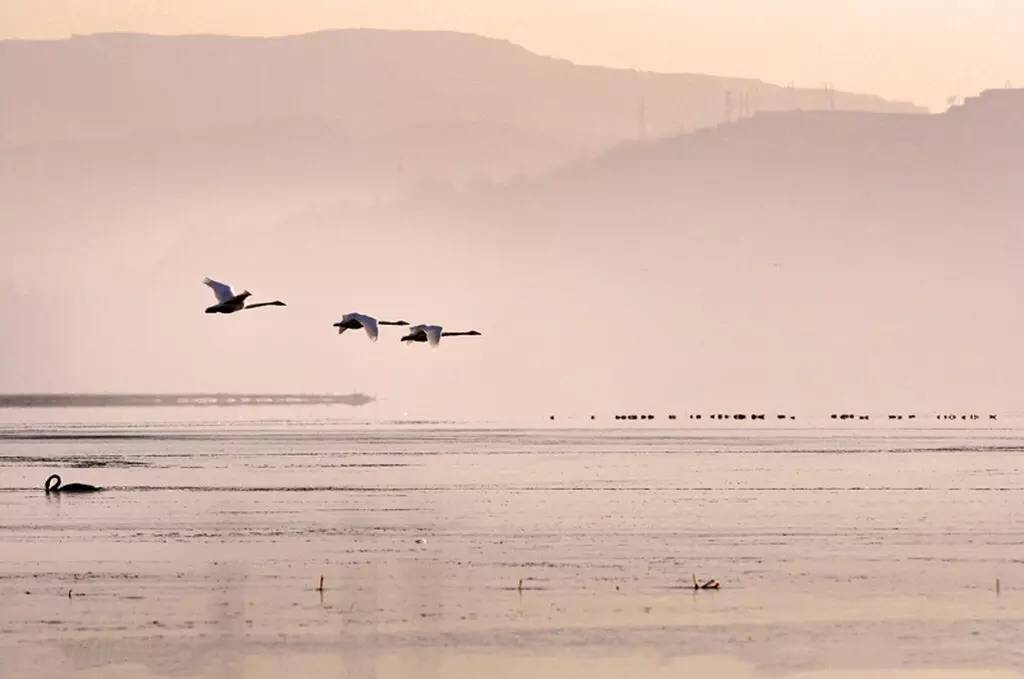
(905, 49)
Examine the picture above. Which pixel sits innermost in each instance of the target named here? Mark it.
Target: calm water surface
(835, 548)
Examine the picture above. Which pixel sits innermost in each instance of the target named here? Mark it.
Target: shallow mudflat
(473, 552)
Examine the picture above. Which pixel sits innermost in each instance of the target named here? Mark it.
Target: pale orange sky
(918, 50)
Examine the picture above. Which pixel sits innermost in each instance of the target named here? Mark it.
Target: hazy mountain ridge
(138, 132)
(969, 156)
(370, 80)
(795, 250)
(789, 253)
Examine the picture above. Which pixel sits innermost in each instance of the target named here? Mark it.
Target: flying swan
(432, 334)
(355, 320)
(228, 302)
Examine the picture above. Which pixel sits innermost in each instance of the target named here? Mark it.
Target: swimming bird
(69, 488)
(433, 334)
(355, 320)
(228, 302)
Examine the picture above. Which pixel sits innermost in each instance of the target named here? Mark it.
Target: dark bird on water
(69, 488)
(228, 302)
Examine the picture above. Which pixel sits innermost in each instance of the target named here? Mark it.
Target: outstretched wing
(369, 323)
(370, 326)
(221, 291)
(433, 334)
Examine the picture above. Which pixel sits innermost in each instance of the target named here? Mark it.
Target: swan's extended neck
(53, 477)
(276, 302)
(456, 334)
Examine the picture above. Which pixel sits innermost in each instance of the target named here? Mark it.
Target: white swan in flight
(432, 334)
(355, 320)
(228, 302)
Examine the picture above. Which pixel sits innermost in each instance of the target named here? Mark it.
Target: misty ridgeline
(638, 236)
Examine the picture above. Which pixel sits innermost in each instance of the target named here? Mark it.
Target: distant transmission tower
(728, 106)
(830, 95)
(642, 119)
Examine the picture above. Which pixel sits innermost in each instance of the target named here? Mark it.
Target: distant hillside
(152, 137)
(823, 255)
(805, 256)
(966, 162)
(366, 81)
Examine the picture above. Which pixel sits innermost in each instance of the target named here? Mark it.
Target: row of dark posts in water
(783, 416)
(898, 416)
(716, 416)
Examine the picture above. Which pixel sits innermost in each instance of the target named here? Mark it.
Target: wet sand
(840, 553)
